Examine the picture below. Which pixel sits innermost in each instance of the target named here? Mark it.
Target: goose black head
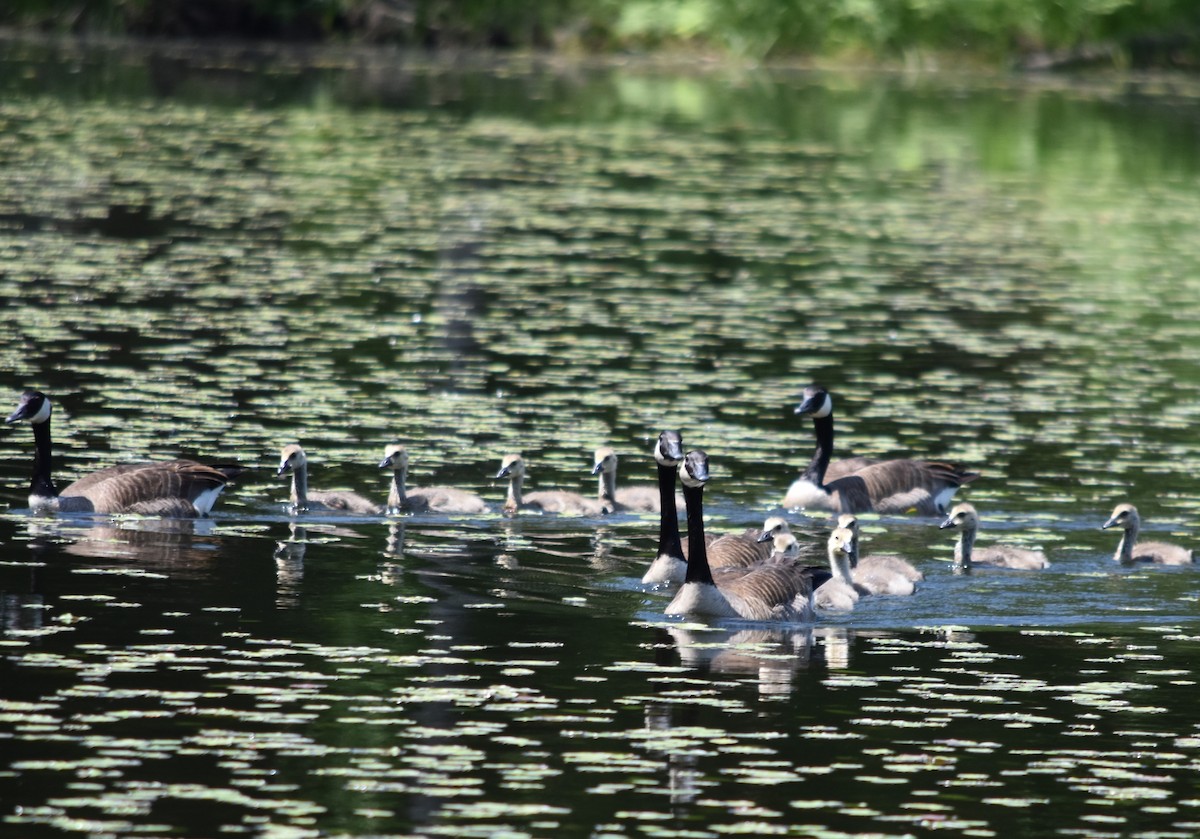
(693, 471)
(34, 407)
(815, 402)
(669, 450)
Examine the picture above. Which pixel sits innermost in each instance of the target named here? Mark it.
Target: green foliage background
(1131, 31)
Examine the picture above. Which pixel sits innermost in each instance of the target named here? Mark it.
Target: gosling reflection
(289, 566)
(771, 656)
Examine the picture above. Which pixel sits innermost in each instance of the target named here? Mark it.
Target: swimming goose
(638, 498)
(1126, 517)
(861, 485)
(423, 499)
(292, 457)
(670, 565)
(878, 573)
(839, 593)
(546, 501)
(764, 591)
(171, 488)
(964, 517)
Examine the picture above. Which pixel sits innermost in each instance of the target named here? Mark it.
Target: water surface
(216, 254)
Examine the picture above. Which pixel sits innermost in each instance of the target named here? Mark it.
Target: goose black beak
(503, 473)
(947, 523)
(385, 463)
(282, 469)
(1108, 524)
(765, 536)
(809, 405)
(596, 469)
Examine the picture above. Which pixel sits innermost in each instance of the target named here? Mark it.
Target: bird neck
(815, 473)
(962, 549)
(698, 570)
(42, 485)
(669, 543)
(607, 490)
(398, 493)
(513, 502)
(1125, 548)
(839, 564)
(300, 486)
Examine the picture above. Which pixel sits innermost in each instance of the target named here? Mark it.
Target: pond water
(217, 253)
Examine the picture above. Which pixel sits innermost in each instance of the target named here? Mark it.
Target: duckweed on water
(347, 263)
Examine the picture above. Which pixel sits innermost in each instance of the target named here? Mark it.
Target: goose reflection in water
(772, 656)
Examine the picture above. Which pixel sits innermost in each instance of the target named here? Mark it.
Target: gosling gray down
(838, 593)
(878, 573)
(1125, 516)
(641, 498)
(303, 500)
(765, 591)
(171, 488)
(862, 485)
(512, 466)
(966, 520)
(435, 499)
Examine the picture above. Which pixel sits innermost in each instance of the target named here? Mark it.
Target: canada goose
(861, 485)
(423, 499)
(878, 573)
(839, 593)
(546, 501)
(1126, 517)
(638, 498)
(302, 500)
(964, 517)
(670, 565)
(171, 488)
(764, 591)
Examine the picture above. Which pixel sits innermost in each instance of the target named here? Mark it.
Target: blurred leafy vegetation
(1137, 32)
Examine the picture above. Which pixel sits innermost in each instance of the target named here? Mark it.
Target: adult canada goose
(966, 520)
(1125, 516)
(332, 501)
(764, 591)
(861, 485)
(729, 550)
(637, 498)
(436, 499)
(878, 573)
(546, 501)
(838, 593)
(670, 565)
(173, 488)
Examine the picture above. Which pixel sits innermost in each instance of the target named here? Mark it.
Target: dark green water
(216, 254)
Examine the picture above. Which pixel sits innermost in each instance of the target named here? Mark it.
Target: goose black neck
(669, 543)
(698, 570)
(823, 426)
(42, 484)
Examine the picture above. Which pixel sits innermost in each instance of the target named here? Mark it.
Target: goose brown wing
(766, 591)
(737, 550)
(897, 486)
(119, 489)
